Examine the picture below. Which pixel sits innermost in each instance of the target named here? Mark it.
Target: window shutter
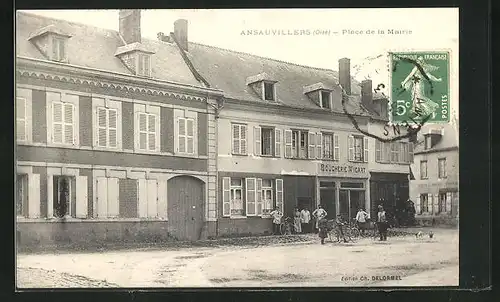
(435, 203)
(311, 144)
(81, 197)
(251, 195)
(101, 127)
(448, 202)
(236, 139)
(152, 196)
(410, 152)
(319, 146)
(102, 197)
(351, 148)
(143, 198)
(113, 127)
(34, 195)
(55, 49)
(377, 150)
(277, 142)
(336, 147)
(62, 51)
(418, 209)
(226, 196)
(140, 65)
(21, 118)
(152, 131)
(50, 201)
(57, 121)
(279, 194)
(68, 124)
(258, 141)
(147, 61)
(162, 199)
(259, 197)
(190, 136)
(288, 143)
(243, 139)
(113, 192)
(182, 134)
(365, 149)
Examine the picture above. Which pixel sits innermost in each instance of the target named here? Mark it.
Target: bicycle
(286, 226)
(351, 231)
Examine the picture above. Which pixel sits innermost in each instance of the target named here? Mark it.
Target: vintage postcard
(237, 148)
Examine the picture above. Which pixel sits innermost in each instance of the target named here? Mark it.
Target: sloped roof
(228, 71)
(448, 138)
(95, 47)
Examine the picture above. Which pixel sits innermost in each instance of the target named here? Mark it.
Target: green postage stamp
(420, 86)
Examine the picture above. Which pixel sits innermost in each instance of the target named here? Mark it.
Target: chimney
(130, 25)
(367, 94)
(345, 74)
(181, 33)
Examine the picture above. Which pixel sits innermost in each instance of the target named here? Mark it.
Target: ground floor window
(64, 197)
(267, 196)
(237, 208)
(424, 203)
(442, 203)
(22, 195)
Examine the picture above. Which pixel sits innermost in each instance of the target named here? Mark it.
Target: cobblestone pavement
(275, 261)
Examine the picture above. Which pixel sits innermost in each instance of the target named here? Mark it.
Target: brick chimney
(345, 74)
(130, 25)
(367, 94)
(181, 33)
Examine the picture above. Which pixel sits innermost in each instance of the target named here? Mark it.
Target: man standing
(319, 214)
(305, 218)
(361, 217)
(382, 223)
(276, 214)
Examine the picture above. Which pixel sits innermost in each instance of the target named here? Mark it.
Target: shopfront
(342, 189)
(390, 190)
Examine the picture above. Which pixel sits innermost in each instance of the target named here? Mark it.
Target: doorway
(351, 198)
(327, 198)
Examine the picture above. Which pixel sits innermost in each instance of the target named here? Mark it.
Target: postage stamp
(419, 86)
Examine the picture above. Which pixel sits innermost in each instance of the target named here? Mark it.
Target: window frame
(240, 127)
(331, 145)
(272, 88)
(329, 102)
(442, 172)
(186, 116)
(422, 200)
(364, 148)
(299, 151)
(422, 176)
(57, 41)
(26, 96)
(64, 98)
(109, 105)
(141, 59)
(22, 185)
(70, 212)
(442, 203)
(272, 201)
(107, 127)
(272, 141)
(232, 190)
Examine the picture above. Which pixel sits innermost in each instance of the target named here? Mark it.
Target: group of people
(302, 222)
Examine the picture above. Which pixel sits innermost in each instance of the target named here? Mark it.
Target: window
(267, 196)
(23, 114)
(186, 135)
(358, 148)
(327, 146)
(395, 149)
(268, 91)
(428, 142)
(264, 141)
(148, 131)
(299, 144)
(325, 97)
(237, 197)
(107, 191)
(424, 203)
(442, 168)
(22, 195)
(393, 152)
(423, 169)
(63, 190)
(63, 123)
(144, 64)
(107, 127)
(442, 203)
(58, 49)
(152, 202)
(239, 134)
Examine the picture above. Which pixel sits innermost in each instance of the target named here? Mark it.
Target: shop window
(237, 208)
(355, 185)
(424, 203)
(22, 195)
(63, 198)
(327, 184)
(442, 203)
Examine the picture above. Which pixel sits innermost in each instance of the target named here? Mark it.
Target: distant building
(434, 188)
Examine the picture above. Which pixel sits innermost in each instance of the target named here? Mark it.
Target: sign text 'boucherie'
(341, 169)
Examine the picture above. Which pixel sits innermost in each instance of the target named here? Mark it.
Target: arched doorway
(186, 196)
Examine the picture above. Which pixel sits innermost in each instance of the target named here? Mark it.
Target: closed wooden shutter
(181, 148)
(351, 148)
(142, 119)
(251, 196)
(102, 197)
(259, 196)
(143, 198)
(436, 203)
(378, 150)
(418, 209)
(258, 141)
(21, 118)
(311, 145)
(113, 197)
(57, 122)
(410, 152)
(336, 147)
(34, 195)
(69, 137)
(152, 131)
(277, 142)
(152, 208)
(226, 196)
(81, 197)
(236, 139)
(101, 127)
(288, 143)
(279, 194)
(162, 199)
(113, 127)
(243, 139)
(50, 201)
(190, 136)
(448, 202)
(365, 149)
(319, 145)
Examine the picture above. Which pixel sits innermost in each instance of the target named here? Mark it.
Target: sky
(325, 35)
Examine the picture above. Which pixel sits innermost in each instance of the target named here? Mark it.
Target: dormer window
(58, 48)
(136, 57)
(51, 41)
(325, 99)
(268, 91)
(144, 64)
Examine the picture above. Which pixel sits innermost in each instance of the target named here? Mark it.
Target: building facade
(435, 169)
(115, 135)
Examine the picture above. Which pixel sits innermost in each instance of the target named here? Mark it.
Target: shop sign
(328, 169)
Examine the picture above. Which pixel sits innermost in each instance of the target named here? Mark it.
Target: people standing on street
(339, 224)
(305, 219)
(361, 217)
(297, 227)
(276, 215)
(319, 214)
(411, 212)
(382, 223)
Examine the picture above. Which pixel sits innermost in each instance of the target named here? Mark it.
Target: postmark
(419, 86)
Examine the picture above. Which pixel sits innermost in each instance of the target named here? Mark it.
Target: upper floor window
(239, 139)
(299, 144)
(148, 127)
(428, 142)
(423, 169)
(23, 115)
(144, 64)
(58, 48)
(63, 118)
(424, 203)
(442, 168)
(393, 152)
(395, 149)
(325, 99)
(330, 146)
(358, 148)
(186, 131)
(269, 93)
(107, 117)
(264, 141)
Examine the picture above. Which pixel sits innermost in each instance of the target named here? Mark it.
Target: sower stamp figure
(382, 223)
(276, 214)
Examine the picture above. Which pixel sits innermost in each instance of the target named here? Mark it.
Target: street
(400, 261)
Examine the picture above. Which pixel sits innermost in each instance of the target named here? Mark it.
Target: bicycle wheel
(282, 229)
(354, 234)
